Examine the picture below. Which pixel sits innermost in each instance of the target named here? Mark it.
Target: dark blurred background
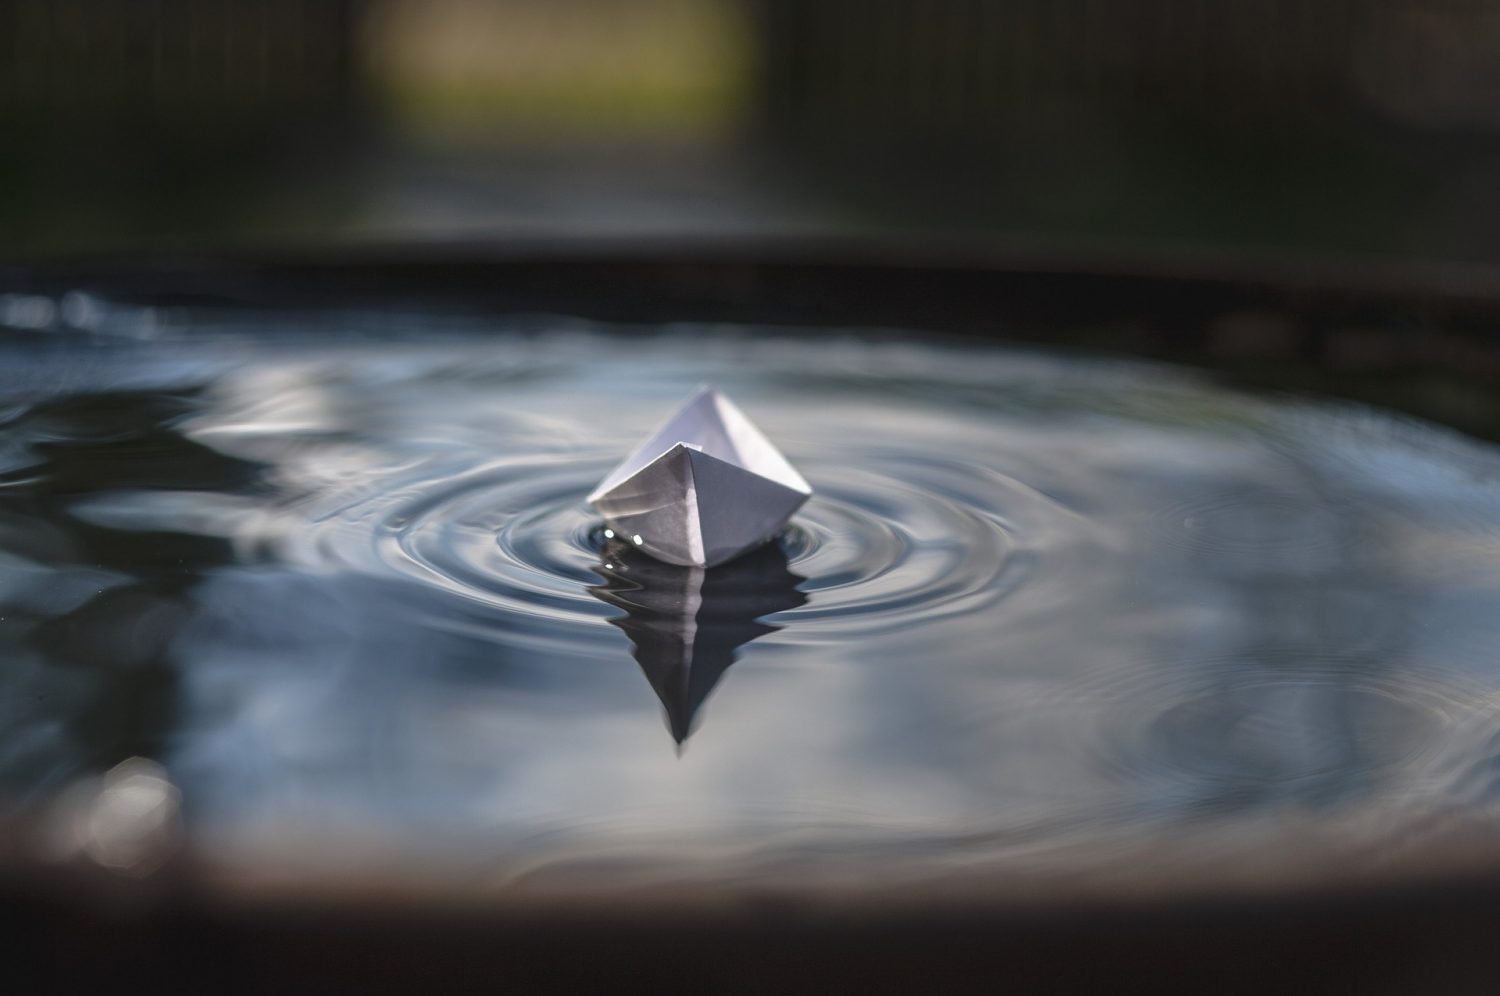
(1269, 128)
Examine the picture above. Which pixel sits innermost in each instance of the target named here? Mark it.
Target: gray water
(343, 592)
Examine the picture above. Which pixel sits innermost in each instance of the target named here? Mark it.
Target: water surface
(339, 581)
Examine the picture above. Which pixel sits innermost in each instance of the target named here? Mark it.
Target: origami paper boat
(703, 489)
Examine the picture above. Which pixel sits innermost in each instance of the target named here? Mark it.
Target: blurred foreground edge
(66, 935)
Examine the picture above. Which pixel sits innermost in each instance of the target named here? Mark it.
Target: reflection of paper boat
(706, 487)
(688, 624)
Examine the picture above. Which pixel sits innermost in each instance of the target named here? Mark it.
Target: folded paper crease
(704, 488)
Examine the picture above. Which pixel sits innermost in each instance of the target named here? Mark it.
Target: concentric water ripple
(1037, 608)
(877, 550)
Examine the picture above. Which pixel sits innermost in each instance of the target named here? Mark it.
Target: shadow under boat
(687, 623)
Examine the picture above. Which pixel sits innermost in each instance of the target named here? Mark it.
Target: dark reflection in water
(348, 594)
(100, 606)
(687, 624)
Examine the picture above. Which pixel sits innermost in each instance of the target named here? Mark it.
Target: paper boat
(703, 489)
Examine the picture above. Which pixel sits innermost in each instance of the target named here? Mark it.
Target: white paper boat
(703, 489)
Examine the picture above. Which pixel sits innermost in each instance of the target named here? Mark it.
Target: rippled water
(347, 593)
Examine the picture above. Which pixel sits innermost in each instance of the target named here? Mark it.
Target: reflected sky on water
(345, 591)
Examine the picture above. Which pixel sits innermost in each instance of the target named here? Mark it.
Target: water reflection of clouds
(351, 711)
(1068, 614)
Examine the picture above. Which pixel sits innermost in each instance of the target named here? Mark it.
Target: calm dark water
(339, 582)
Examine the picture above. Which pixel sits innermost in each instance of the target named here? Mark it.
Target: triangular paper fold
(703, 489)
